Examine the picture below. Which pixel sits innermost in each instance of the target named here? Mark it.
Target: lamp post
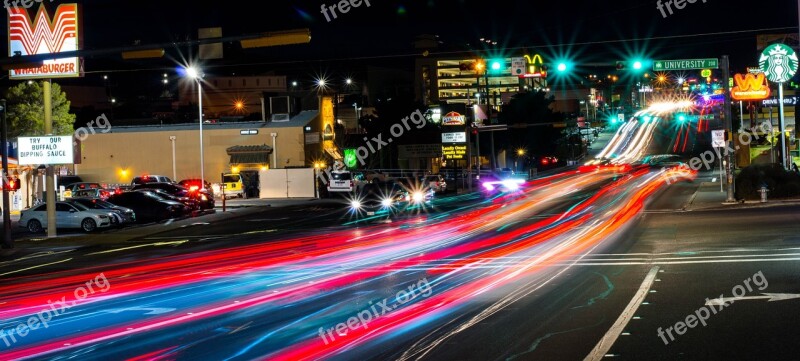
(172, 139)
(274, 151)
(194, 73)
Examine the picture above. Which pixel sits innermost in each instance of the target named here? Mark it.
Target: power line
(440, 53)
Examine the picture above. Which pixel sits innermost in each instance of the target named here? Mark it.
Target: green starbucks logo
(778, 62)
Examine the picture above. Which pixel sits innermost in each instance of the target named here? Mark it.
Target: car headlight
(418, 197)
(355, 204)
(386, 202)
(203, 198)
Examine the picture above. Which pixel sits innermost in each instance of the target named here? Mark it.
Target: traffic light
(497, 65)
(479, 66)
(635, 65)
(11, 184)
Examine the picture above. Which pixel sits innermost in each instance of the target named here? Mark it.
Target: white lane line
(611, 336)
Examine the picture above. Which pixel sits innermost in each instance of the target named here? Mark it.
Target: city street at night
(448, 180)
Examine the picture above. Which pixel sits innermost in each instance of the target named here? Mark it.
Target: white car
(341, 182)
(68, 215)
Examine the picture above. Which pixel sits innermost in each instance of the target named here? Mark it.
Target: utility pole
(50, 182)
(7, 241)
(725, 66)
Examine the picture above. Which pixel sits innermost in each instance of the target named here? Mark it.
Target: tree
(26, 111)
(531, 108)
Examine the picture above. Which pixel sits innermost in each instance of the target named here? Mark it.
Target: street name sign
(686, 64)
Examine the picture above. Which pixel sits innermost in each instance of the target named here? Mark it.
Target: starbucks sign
(778, 62)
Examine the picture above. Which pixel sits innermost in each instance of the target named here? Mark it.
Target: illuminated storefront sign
(454, 118)
(45, 35)
(350, 159)
(454, 152)
(750, 87)
(536, 67)
(457, 137)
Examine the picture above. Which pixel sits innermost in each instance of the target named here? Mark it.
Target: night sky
(382, 34)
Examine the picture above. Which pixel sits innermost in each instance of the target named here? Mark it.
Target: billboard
(45, 35)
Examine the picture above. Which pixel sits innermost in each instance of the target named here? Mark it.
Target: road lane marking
(34, 267)
(611, 336)
(770, 297)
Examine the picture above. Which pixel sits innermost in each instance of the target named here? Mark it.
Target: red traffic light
(11, 184)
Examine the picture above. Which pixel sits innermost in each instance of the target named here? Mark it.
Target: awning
(249, 154)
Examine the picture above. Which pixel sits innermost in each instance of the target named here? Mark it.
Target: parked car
(81, 185)
(341, 182)
(435, 182)
(124, 215)
(234, 185)
(68, 179)
(68, 215)
(92, 193)
(194, 184)
(151, 179)
(188, 204)
(200, 199)
(147, 206)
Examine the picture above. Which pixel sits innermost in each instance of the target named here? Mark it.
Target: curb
(749, 205)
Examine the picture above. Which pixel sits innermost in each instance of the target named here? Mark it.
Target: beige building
(174, 151)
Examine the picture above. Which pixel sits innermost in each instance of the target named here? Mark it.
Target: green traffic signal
(497, 65)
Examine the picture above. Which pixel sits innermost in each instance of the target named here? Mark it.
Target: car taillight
(351, 183)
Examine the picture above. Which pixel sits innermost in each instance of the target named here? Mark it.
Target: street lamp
(194, 73)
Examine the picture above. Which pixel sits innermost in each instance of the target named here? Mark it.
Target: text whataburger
(44, 35)
(686, 64)
(45, 150)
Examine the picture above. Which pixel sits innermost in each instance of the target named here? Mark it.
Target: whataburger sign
(750, 87)
(45, 35)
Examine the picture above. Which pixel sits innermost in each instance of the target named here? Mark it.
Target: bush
(780, 182)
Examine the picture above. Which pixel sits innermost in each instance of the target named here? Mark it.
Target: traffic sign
(518, 66)
(686, 64)
(718, 138)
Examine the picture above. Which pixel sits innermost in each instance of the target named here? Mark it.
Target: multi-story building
(234, 95)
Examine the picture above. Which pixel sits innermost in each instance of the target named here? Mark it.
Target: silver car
(67, 216)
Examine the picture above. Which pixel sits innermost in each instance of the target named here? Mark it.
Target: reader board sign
(46, 150)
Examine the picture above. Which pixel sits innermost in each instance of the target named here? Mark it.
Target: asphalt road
(580, 265)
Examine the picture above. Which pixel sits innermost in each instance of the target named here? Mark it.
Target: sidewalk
(708, 197)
